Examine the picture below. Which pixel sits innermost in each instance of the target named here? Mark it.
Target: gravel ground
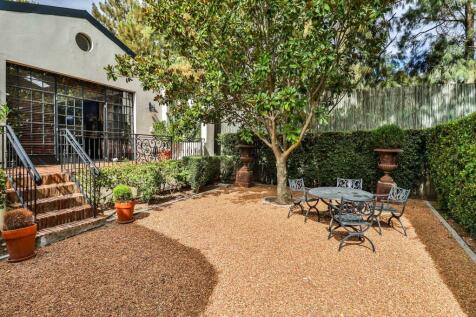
(119, 270)
(454, 265)
(270, 265)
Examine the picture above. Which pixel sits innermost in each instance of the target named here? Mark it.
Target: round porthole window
(84, 42)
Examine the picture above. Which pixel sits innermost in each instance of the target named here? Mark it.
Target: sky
(75, 4)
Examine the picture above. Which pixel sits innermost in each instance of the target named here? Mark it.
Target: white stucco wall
(48, 42)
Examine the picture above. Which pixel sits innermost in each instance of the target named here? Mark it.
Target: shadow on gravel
(125, 270)
(456, 268)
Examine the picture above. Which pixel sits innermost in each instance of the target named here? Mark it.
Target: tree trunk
(283, 195)
(469, 31)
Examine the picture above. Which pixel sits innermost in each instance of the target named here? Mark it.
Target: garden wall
(440, 160)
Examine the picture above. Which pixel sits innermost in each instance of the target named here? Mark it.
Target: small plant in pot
(388, 141)
(19, 232)
(124, 203)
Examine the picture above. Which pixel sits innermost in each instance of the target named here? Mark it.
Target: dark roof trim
(65, 12)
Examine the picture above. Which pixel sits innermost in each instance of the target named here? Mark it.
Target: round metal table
(336, 193)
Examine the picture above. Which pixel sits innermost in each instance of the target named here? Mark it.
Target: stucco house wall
(48, 42)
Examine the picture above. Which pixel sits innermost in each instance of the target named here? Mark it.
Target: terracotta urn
(125, 211)
(244, 174)
(387, 163)
(20, 243)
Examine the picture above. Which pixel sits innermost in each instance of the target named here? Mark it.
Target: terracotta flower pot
(387, 163)
(165, 155)
(125, 211)
(20, 243)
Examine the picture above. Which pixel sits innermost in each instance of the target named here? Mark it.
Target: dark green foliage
(201, 170)
(228, 143)
(146, 178)
(452, 167)
(17, 219)
(122, 193)
(389, 136)
(228, 166)
(322, 158)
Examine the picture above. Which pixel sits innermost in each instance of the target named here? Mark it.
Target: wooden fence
(410, 107)
(415, 107)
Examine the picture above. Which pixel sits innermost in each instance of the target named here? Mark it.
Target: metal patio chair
(349, 183)
(355, 216)
(393, 203)
(297, 185)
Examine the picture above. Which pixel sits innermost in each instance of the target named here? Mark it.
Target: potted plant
(124, 203)
(165, 155)
(19, 232)
(388, 141)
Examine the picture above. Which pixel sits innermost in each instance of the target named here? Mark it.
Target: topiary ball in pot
(124, 203)
(19, 232)
(389, 136)
(388, 140)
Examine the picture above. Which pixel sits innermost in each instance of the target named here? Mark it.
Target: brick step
(50, 235)
(60, 217)
(57, 233)
(56, 203)
(46, 178)
(45, 191)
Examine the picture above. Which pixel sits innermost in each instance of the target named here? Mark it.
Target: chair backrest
(349, 183)
(362, 207)
(398, 194)
(297, 185)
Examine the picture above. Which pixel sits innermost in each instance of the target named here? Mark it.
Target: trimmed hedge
(445, 153)
(322, 158)
(201, 170)
(150, 179)
(452, 167)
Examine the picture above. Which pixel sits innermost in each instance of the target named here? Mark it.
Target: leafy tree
(438, 39)
(125, 18)
(272, 66)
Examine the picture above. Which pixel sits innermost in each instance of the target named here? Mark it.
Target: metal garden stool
(297, 185)
(393, 203)
(355, 216)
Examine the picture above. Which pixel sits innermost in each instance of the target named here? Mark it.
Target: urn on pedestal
(244, 174)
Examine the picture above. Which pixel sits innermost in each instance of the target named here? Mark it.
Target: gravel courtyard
(270, 265)
(228, 254)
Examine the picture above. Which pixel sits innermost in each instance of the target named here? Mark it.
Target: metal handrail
(80, 167)
(80, 151)
(20, 170)
(25, 159)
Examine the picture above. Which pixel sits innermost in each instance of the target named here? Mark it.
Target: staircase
(60, 207)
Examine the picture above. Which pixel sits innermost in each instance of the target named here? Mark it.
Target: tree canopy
(271, 66)
(125, 18)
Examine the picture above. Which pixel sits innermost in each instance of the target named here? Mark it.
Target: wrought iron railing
(20, 171)
(105, 148)
(81, 168)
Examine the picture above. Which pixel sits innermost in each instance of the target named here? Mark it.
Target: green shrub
(122, 193)
(201, 170)
(452, 168)
(323, 157)
(228, 166)
(389, 136)
(228, 143)
(146, 178)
